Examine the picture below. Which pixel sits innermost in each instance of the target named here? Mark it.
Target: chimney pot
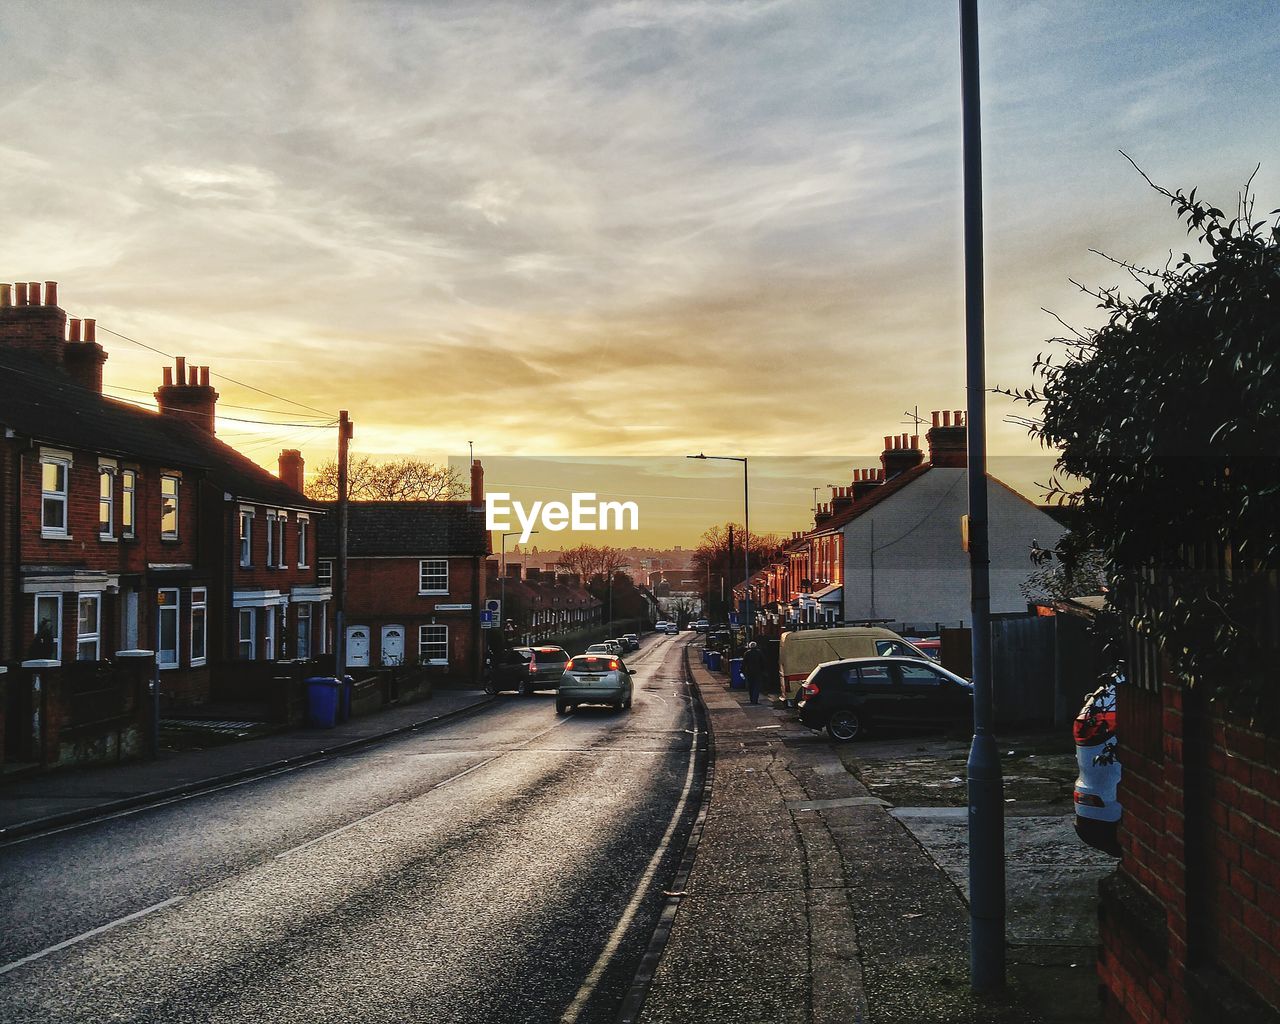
(936, 417)
(73, 330)
(959, 418)
(51, 293)
(168, 376)
(888, 442)
(204, 376)
(946, 418)
(915, 441)
(180, 374)
(20, 290)
(91, 330)
(6, 295)
(33, 290)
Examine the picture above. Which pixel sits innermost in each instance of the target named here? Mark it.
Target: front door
(393, 645)
(358, 646)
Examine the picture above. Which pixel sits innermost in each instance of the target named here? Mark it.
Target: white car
(609, 647)
(661, 626)
(1097, 809)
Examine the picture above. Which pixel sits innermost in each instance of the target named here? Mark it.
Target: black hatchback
(846, 697)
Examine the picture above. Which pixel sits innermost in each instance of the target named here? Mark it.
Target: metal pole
(986, 794)
(746, 549)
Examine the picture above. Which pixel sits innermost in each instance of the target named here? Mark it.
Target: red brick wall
(1191, 923)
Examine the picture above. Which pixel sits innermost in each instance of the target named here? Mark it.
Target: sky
(578, 229)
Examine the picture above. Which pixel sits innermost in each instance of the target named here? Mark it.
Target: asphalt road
(502, 867)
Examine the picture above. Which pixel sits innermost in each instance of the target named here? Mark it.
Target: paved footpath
(807, 902)
(37, 802)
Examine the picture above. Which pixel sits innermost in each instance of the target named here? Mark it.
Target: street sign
(733, 618)
(488, 620)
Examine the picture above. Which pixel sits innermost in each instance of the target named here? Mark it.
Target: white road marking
(91, 933)
(579, 1003)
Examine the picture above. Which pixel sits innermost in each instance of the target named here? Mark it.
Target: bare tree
(589, 560)
(400, 479)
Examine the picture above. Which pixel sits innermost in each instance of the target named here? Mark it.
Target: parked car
(673, 627)
(701, 626)
(609, 647)
(1098, 810)
(630, 641)
(594, 679)
(845, 697)
(930, 645)
(661, 626)
(526, 669)
(803, 650)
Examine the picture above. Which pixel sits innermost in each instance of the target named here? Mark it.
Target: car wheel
(525, 688)
(845, 725)
(561, 707)
(626, 705)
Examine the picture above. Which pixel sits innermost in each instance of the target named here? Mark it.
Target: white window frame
(424, 644)
(271, 539)
(324, 572)
(282, 520)
(269, 634)
(249, 615)
(304, 615)
(107, 503)
(199, 603)
(177, 506)
(128, 502)
(304, 527)
(424, 576)
(57, 622)
(95, 635)
(162, 612)
(246, 538)
(63, 461)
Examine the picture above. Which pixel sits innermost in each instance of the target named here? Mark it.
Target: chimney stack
(27, 325)
(291, 467)
(948, 441)
(193, 402)
(477, 484)
(903, 454)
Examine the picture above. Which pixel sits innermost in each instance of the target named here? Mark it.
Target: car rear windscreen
(551, 654)
(592, 663)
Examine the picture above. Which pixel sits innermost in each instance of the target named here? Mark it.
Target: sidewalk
(32, 803)
(808, 901)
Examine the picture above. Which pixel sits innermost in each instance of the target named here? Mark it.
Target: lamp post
(746, 530)
(502, 580)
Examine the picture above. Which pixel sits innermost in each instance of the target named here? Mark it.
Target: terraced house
(125, 528)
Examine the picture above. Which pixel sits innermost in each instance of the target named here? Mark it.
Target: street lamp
(502, 580)
(746, 529)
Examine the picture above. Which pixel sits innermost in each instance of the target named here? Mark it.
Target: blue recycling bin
(322, 701)
(713, 661)
(706, 657)
(737, 681)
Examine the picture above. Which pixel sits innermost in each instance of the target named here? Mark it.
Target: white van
(800, 652)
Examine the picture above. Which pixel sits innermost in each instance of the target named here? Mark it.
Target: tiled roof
(407, 528)
(44, 403)
(871, 499)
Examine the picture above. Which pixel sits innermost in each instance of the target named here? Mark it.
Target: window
(922, 676)
(169, 507)
(271, 539)
(246, 538)
(48, 623)
(106, 502)
(324, 572)
(282, 518)
(246, 648)
(304, 632)
(433, 645)
(304, 524)
(433, 576)
(88, 627)
(199, 624)
(128, 502)
(269, 633)
(167, 629)
(54, 473)
(871, 675)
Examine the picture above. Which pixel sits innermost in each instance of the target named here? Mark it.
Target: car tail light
(1088, 799)
(613, 665)
(533, 665)
(568, 665)
(808, 691)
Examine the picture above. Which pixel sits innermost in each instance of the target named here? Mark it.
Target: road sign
(488, 620)
(733, 618)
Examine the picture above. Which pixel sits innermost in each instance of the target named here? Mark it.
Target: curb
(633, 1002)
(159, 796)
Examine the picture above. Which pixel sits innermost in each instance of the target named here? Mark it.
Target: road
(505, 866)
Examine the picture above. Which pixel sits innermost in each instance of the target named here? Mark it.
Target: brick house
(539, 604)
(415, 582)
(114, 528)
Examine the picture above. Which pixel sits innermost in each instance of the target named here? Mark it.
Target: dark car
(526, 669)
(846, 697)
(631, 641)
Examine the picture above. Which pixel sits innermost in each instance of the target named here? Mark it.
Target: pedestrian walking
(753, 669)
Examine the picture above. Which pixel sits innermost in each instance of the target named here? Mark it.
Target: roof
(407, 528)
(43, 402)
(871, 499)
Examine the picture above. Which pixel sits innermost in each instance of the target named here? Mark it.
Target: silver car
(594, 679)
(610, 647)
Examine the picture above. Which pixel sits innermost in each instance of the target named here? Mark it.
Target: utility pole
(986, 789)
(345, 432)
